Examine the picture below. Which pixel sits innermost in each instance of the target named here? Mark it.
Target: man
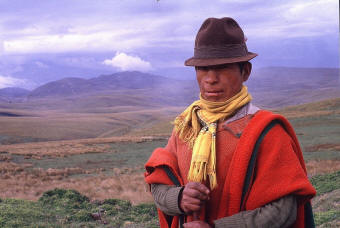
(227, 163)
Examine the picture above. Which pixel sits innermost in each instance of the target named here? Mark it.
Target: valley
(96, 144)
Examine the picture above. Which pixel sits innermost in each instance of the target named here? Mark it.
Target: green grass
(326, 217)
(120, 155)
(318, 129)
(326, 183)
(68, 208)
(326, 212)
(6, 139)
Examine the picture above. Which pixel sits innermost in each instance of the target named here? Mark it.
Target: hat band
(226, 51)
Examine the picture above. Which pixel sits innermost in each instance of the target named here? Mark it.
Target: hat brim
(211, 62)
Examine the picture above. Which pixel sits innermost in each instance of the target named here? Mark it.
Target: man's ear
(246, 71)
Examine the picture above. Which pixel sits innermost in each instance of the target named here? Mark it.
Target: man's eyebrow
(220, 66)
(213, 67)
(201, 67)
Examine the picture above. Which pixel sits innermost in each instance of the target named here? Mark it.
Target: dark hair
(241, 66)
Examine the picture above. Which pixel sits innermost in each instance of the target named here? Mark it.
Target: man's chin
(214, 97)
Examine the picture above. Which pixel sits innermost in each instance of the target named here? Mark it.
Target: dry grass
(24, 181)
(52, 149)
(299, 113)
(18, 182)
(68, 147)
(316, 167)
(316, 109)
(326, 146)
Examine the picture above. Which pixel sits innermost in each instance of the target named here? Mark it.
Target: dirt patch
(315, 167)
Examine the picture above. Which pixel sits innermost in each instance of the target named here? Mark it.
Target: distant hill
(14, 92)
(293, 78)
(276, 87)
(63, 87)
(119, 89)
(130, 80)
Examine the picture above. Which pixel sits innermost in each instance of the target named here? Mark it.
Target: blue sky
(45, 40)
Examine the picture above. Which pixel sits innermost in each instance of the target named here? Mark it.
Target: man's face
(221, 82)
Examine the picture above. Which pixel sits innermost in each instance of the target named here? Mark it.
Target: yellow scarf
(197, 126)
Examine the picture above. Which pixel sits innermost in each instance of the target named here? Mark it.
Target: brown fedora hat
(219, 41)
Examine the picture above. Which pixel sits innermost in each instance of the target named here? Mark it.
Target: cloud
(101, 41)
(127, 26)
(164, 31)
(41, 65)
(293, 19)
(126, 62)
(7, 81)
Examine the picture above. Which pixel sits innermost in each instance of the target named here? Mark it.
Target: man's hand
(193, 197)
(196, 224)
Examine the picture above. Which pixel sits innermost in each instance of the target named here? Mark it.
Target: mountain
(288, 78)
(63, 87)
(120, 89)
(12, 94)
(132, 80)
(119, 81)
(275, 87)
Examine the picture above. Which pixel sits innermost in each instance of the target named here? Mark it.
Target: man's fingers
(190, 200)
(194, 193)
(190, 204)
(192, 207)
(196, 190)
(199, 187)
(193, 197)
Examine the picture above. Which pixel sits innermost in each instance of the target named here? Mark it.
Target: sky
(46, 40)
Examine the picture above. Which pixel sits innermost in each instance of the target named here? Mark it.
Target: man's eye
(202, 68)
(220, 67)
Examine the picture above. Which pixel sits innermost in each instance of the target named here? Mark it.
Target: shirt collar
(248, 109)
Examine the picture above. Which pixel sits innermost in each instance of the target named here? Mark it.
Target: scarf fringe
(199, 169)
(186, 134)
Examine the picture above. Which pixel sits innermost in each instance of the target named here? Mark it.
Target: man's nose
(211, 77)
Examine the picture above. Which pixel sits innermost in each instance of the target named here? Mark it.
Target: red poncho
(279, 172)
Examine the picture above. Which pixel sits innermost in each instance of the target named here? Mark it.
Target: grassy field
(19, 126)
(108, 165)
(68, 208)
(98, 168)
(317, 126)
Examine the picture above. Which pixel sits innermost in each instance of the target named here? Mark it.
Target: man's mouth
(213, 93)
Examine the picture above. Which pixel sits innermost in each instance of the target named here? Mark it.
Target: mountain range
(132, 80)
(271, 87)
